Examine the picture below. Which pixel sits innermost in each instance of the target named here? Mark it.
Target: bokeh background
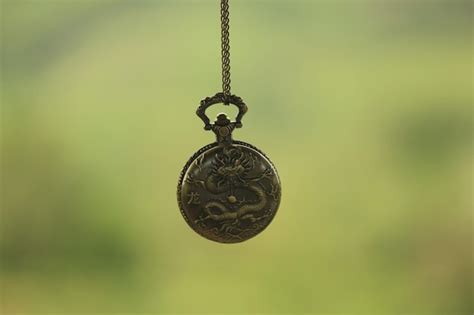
(364, 106)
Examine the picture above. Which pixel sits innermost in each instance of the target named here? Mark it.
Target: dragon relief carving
(240, 192)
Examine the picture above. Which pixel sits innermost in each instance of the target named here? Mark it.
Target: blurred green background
(364, 106)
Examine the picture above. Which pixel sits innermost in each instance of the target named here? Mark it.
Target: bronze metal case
(228, 191)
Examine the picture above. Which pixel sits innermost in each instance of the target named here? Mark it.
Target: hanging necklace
(228, 191)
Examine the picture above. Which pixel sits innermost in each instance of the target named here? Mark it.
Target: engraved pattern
(229, 193)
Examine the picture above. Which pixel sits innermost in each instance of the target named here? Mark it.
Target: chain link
(225, 48)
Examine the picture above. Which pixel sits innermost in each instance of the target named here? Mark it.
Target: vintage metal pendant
(228, 191)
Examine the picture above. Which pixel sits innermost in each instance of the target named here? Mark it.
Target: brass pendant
(228, 191)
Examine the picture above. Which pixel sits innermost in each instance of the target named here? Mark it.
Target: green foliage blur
(364, 106)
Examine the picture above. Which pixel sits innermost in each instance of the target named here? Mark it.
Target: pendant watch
(228, 191)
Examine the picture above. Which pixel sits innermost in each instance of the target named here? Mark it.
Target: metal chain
(225, 48)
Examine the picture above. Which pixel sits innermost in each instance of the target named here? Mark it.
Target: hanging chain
(223, 97)
(225, 48)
